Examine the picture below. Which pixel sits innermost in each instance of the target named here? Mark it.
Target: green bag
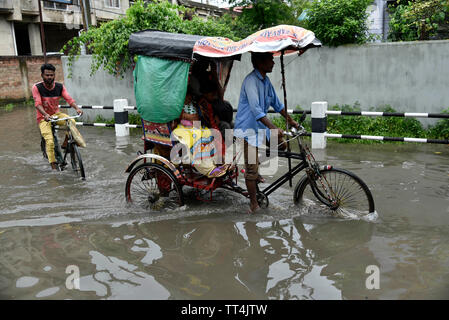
(160, 88)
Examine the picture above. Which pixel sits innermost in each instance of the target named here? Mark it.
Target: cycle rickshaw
(161, 74)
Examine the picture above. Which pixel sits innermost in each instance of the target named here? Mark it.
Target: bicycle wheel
(154, 187)
(76, 161)
(352, 195)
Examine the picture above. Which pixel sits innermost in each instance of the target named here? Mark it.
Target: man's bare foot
(260, 179)
(253, 210)
(54, 166)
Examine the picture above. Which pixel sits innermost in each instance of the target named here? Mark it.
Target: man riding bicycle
(46, 95)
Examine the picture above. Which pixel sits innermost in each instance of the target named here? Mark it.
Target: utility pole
(85, 8)
(44, 50)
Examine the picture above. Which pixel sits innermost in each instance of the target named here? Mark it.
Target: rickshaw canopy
(161, 44)
(275, 39)
(162, 69)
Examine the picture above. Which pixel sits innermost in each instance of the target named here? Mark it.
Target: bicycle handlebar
(56, 119)
(293, 132)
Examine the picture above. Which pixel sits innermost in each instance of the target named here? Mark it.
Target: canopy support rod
(286, 113)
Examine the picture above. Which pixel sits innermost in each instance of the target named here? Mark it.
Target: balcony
(29, 7)
(6, 6)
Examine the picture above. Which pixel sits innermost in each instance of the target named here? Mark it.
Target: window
(59, 5)
(112, 3)
(55, 5)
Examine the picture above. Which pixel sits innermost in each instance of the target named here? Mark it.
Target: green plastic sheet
(160, 88)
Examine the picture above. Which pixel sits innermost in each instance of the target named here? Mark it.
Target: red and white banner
(267, 40)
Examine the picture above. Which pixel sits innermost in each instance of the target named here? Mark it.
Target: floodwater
(53, 224)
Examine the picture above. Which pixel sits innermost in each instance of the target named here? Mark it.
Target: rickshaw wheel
(262, 200)
(153, 187)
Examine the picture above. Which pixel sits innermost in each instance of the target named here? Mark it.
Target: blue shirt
(256, 96)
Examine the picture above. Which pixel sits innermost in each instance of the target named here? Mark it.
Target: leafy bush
(441, 129)
(100, 119)
(108, 42)
(375, 126)
(9, 107)
(354, 125)
(417, 20)
(134, 118)
(337, 22)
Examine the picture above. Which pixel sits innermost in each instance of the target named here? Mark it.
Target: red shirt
(49, 98)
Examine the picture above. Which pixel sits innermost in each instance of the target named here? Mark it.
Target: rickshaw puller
(256, 96)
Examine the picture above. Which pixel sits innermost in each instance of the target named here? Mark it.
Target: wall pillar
(319, 124)
(35, 39)
(121, 117)
(7, 37)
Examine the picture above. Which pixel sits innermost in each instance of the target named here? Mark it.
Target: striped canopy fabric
(282, 37)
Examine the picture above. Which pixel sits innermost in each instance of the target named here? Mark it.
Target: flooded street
(214, 250)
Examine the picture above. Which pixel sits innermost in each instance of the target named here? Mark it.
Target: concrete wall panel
(409, 76)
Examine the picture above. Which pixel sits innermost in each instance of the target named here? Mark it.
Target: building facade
(20, 23)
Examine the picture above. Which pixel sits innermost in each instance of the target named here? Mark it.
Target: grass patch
(100, 119)
(9, 107)
(132, 119)
(355, 125)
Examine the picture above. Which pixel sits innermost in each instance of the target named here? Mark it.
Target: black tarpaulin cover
(162, 44)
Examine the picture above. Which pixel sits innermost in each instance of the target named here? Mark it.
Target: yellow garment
(45, 128)
(199, 142)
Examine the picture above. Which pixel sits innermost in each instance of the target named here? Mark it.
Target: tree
(417, 20)
(261, 14)
(108, 43)
(337, 22)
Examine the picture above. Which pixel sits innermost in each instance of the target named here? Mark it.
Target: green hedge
(358, 125)
(375, 126)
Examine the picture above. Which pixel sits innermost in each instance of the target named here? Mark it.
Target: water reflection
(286, 259)
(212, 250)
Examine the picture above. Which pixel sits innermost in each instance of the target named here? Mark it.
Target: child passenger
(199, 140)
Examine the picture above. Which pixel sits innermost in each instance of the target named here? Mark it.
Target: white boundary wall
(409, 76)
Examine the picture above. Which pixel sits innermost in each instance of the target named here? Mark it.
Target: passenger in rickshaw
(216, 113)
(201, 142)
(201, 72)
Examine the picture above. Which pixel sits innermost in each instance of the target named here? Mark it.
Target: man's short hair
(47, 66)
(256, 57)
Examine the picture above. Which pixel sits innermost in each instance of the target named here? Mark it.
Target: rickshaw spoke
(152, 186)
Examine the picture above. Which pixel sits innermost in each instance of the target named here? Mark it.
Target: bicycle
(339, 190)
(71, 148)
